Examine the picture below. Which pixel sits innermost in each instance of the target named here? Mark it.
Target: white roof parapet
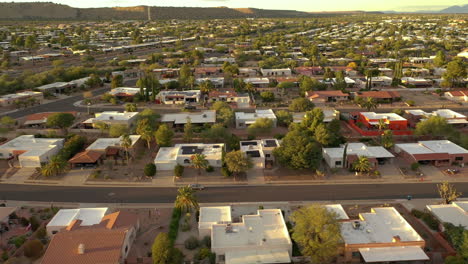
(88, 216)
(455, 213)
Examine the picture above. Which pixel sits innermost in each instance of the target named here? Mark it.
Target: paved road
(221, 194)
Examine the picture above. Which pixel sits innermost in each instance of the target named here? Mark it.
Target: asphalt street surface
(334, 192)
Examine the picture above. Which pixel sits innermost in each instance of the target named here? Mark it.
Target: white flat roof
(360, 149)
(266, 256)
(33, 146)
(214, 215)
(268, 113)
(455, 213)
(114, 115)
(103, 143)
(88, 216)
(265, 229)
(386, 116)
(381, 225)
(208, 116)
(338, 210)
(166, 154)
(390, 254)
(127, 90)
(444, 146)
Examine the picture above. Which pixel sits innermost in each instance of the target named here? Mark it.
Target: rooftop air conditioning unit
(356, 224)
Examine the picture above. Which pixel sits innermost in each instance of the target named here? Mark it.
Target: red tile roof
(88, 156)
(458, 93)
(226, 92)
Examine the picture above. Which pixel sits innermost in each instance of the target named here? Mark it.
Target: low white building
(63, 218)
(112, 118)
(455, 213)
(168, 157)
(260, 151)
(458, 96)
(220, 60)
(102, 144)
(57, 87)
(30, 151)
(276, 72)
(178, 97)
(376, 154)
(180, 119)
(328, 116)
(244, 119)
(258, 82)
(382, 235)
(126, 91)
(10, 99)
(259, 238)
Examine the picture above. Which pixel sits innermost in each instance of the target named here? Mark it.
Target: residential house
(217, 82)
(335, 157)
(181, 154)
(327, 96)
(452, 117)
(40, 119)
(258, 82)
(178, 97)
(64, 217)
(166, 73)
(57, 87)
(244, 119)
(371, 120)
(275, 72)
(458, 96)
(178, 120)
(203, 72)
(30, 151)
(328, 116)
(111, 118)
(260, 152)
(309, 71)
(380, 96)
(260, 238)
(383, 236)
(126, 92)
(455, 213)
(416, 82)
(108, 241)
(435, 152)
(111, 147)
(247, 72)
(230, 96)
(11, 99)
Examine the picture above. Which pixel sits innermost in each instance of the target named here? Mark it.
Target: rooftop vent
(356, 224)
(81, 249)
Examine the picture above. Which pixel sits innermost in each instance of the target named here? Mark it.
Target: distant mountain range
(52, 11)
(449, 10)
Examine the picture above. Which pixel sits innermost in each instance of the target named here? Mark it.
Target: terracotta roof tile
(88, 156)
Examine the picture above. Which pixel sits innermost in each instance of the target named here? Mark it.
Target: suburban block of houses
(260, 151)
(435, 152)
(334, 157)
(30, 151)
(244, 119)
(258, 238)
(181, 154)
(382, 235)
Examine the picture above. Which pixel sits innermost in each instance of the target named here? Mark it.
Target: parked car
(196, 186)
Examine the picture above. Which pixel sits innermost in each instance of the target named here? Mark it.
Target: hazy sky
(303, 5)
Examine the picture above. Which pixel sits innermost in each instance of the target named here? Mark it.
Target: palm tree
(206, 87)
(55, 166)
(382, 125)
(199, 162)
(131, 107)
(370, 103)
(362, 165)
(126, 143)
(186, 199)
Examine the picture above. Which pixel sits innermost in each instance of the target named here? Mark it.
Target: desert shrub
(206, 242)
(209, 169)
(33, 249)
(179, 170)
(150, 170)
(191, 243)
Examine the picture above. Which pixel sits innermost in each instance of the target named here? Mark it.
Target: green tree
(298, 150)
(224, 113)
(149, 170)
(164, 136)
(60, 120)
(267, 96)
(284, 118)
(94, 81)
(145, 130)
(161, 249)
(317, 232)
(387, 139)
(116, 130)
(199, 162)
(456, 71)
(439, 59)
(184, 75)
(322, 135)
(117, 81)
(56, 166)
(368, 103)
(7, 121)
(131, 107)
(447, 192)
(33, 248)
(30, 42)
(206, 87)
(435, 126)
(260, 126)
(301, 105)
(188, 131)
(186, 200)
(126, 143)
(237, 162)
(362, 165)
